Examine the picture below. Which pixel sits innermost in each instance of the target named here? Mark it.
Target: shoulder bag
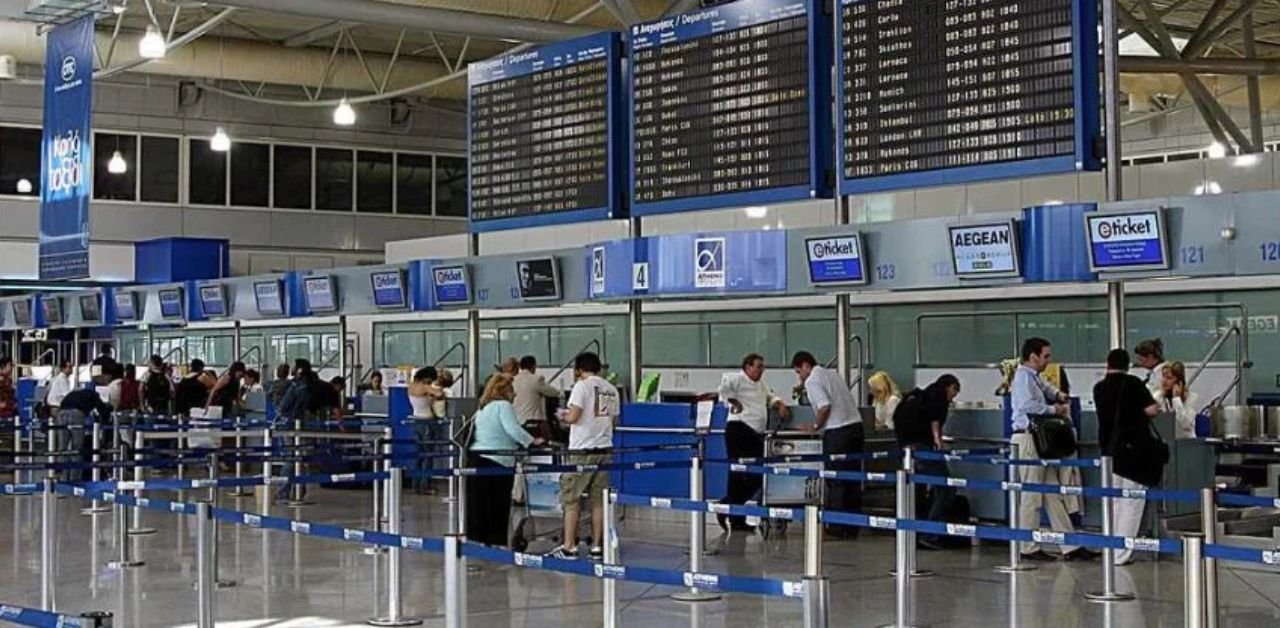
(1139, 453)
(1054, 436)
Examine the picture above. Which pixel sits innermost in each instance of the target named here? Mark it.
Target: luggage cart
(789, 491)
(542, 502)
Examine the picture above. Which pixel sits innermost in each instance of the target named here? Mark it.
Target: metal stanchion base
(125, 564)
(375, 550)
(897, 625)
(289, 503)
(140, 531)
(1018, 568)
(1103, 596)
(695, 596)
(918, 573)
(95, 510)
(387, 621)
(238, 494)
(217, 584)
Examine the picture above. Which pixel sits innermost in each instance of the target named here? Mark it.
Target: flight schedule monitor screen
(723, 106)
(542, 121)
(944, 91)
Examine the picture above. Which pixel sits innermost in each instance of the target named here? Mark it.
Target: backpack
(159, 392)
(907, 423)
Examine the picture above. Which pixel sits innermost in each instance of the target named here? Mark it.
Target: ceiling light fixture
(1217, 150)
(117, 165)
(152, 45)
(220, 142)
(24, 186)
(756, 211)
(344, 114)
(1245, 161)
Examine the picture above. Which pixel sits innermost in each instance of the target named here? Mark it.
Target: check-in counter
(649, 424)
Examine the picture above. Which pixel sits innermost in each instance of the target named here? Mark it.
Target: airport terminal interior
(632, 313)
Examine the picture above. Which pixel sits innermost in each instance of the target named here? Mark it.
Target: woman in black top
(226, 392)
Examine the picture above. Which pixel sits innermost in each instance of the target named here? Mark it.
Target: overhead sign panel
(989, 250)
(836, 260)
(728, 106)
(945, 91)
(1127, 242)
(451, 284)
(66, 151)
(543, 124)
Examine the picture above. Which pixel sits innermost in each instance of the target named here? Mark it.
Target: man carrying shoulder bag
(1125, 432)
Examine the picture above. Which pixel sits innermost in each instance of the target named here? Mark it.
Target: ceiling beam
(324, 31)
(451, 21)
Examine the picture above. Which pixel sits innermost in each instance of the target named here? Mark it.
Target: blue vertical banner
(66, 152)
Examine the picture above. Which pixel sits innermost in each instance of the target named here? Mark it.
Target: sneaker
(564, 553)
(596, 552)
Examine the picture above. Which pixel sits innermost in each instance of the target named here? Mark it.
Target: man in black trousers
(838, 419)
(749, 400)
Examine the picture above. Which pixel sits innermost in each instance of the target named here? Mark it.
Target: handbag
(1054, 436)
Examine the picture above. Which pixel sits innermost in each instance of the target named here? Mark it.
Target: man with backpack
(157, 388)
(918, 422)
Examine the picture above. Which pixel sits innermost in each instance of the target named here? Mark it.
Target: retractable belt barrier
(23, 616)
(848, 476)
(256, 480)
(893, 454)
(1085, 463)
(1147, 494)
(536, 469)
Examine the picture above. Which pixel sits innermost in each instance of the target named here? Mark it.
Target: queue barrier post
(1013, 495)
(204, 566)
(95, 474)
(394, 616)
(905, 606)
(137, 529)
(297, 498)
(264, 505)
(817, 590)
(697, 534)
(1193, 580)
(612, 618)
(382, 494)
(218, 582)
(97, 619)
(123, 560)
(51, 449)
(1108, 592)
(1209, 517)
(909, 465)
(48, 525)
(239, 427)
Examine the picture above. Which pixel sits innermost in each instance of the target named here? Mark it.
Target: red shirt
(8, 398)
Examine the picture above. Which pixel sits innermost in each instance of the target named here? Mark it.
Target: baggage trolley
(543, 515)
(788, 491)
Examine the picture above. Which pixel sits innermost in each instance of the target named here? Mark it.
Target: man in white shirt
(841, 425)
(59, 384)
(749, 400)
(594, 405)
(1031, 396)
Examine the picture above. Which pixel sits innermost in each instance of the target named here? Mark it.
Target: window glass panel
(403, 347)
(19, 159)
(250, 170)
(413, 184)
(253, 348)
(451, 186)
(958, 340)
(160, 168)
(534, 341)
(731, 341)
(115, 187)
(292, 177)
(373, 182)
(675, 344)
(298, 347)
(813, 336)
(333, 179)
(218, 351)
(566, 342)
(441, 342)
(207, 183)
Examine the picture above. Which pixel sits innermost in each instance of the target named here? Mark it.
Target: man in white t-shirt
(60, 384)
(749, 400)
(837, 417)
(593, 408)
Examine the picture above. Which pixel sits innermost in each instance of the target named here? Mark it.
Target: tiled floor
(286, 580)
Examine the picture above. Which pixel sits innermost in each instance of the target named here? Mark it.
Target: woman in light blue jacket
(496, 429)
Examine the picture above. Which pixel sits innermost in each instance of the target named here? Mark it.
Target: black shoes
(1039, 555)
(1081, 553)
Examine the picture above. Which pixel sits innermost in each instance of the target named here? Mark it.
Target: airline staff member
(749, 400)
(1032, 397)
(842, 433)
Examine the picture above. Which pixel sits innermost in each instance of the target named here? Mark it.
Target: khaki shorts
(573, 485)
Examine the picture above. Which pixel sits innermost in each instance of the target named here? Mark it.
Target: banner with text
(66, 151)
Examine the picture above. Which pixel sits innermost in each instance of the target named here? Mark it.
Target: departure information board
(542, 127)
(945, 91)
(725, 106)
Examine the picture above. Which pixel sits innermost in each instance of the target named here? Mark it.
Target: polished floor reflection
(282, 580)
